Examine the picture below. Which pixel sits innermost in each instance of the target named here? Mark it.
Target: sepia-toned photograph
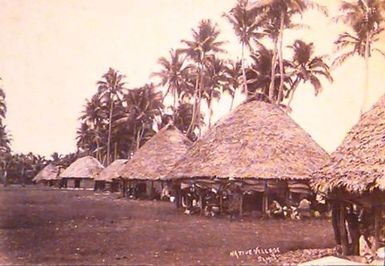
(192, 132)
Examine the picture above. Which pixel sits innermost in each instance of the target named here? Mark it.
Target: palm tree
(214, 80)
(94, 116)
(204, 43)
(5, 140)
(365, 17)
(280, 14)
(183, 117)
(245, 26)
(3, 106)
(259, 75)
(307, 68)
(110, 90)
(174, 75)
(143, 105)
(85, 137)
(232, 72)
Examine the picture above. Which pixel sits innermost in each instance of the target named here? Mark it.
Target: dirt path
(77, 227)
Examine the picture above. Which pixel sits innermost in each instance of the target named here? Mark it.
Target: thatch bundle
(258, 140)
(50, 172)
(111, 172)
(85, 167)
(358, 164)
(155, 159)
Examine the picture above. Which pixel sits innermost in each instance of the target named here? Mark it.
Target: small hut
(145, 174)
(108, 178)
(48, 176)
(353, 180)
(81, 172)
(257, 153)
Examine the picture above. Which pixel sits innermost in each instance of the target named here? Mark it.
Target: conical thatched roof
(110, 172)
(257, 140)
(50, 172)
(158, 156)
(85, 167)
(358, 164)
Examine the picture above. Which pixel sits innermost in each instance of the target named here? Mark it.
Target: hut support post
(201, 202)
(220, 203)
(342, 228)
(377, 227)
(178, 196)
(241, 206)
(336, 222)
(265, 199)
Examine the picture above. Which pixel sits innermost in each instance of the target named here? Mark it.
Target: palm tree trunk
(115, 151)
(137, 140)
(243, 69)
(139, 136)
(98, 157)
(109, 132)
(210, 112)
(280, 58)
(273, 66)
(198, 115)
(232, 101)
(293, 89)
(191, 126)
(366, 85)
(175, 97)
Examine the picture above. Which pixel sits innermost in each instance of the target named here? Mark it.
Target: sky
(53, 52)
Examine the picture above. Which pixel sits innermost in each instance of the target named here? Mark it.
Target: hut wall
(115, 186)
(154, 189)
(100, 185)
(70, 183)
(87, 183)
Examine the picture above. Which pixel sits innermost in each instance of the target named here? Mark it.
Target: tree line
(117, 120)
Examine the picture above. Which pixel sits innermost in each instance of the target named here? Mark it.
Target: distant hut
(81, 172)
(48, 176)
(108, 178)
(258, 153)
(144, 172)
(354, 178)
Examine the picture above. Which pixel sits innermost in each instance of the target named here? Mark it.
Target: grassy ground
(40, 225)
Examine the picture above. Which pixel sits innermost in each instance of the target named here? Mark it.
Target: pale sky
(52, 52)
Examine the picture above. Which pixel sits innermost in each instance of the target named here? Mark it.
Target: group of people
(211, 203)
(302, 211)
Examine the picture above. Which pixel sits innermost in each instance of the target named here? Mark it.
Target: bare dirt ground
(45, 226)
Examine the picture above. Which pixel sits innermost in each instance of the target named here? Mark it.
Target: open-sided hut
(108, 178)
(353, 180)
(81, 172)
(256, 152)
(49, 175)
(144, 172)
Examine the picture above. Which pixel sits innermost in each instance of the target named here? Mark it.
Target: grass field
(39, 225)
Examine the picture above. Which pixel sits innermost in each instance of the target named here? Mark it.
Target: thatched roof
(50, 172)
(158, 156)
(85, 167)
(257, 140)
(358, 164)
(110, 172)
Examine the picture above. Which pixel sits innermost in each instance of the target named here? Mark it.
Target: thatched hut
(144, 172)
(257, 150)
(108, 178)
(81, 172)
(49, 175)
(354, 177)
